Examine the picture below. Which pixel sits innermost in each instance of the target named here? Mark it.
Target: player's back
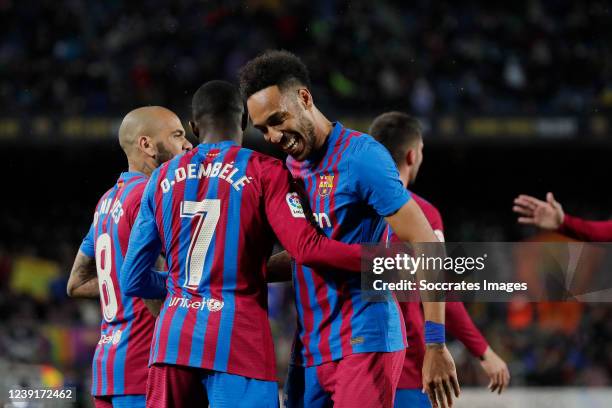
(120, 359)
(210, 214)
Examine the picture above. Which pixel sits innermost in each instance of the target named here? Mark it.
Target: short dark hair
(217, 102)
(396, 131)
(280, 68)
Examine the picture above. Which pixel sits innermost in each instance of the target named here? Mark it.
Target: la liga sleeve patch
(295, 205)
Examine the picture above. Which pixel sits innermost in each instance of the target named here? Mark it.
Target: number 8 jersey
(121, 356)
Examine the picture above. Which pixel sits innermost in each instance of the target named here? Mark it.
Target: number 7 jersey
(121, 356)
(215, 211)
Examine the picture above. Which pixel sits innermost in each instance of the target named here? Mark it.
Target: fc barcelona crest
(326, 183)
(212, 154)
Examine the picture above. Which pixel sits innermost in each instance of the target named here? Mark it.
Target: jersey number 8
(104, 259)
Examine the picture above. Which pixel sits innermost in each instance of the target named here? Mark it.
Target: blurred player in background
(549, 215)
(215, 211)
(401, 134)
(149, 136)
(353, 350)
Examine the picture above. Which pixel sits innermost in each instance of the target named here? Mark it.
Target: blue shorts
(411, 398)
(229, 390)
(185, 387)
(128, 401)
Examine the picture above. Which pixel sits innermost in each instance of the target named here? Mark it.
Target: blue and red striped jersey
(352, 184)
(120, 359)
(214, 211)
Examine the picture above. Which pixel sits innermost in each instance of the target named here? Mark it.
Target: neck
(145, 167)
(405, 176)
(221, 135)
(322, 128)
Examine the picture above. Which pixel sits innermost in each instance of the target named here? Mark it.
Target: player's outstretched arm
(544, 214)
(439, 372)
(301, 239)
(83, 281)
(549, 215)
(584, 230)
(461, 326)
(138, 275)
(154, 305)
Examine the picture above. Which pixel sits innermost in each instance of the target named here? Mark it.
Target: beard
(163, 155)
(307, 133)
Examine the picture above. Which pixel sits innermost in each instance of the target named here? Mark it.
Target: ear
(305, 98)
(410, 157)
(194, 129)
(145, 144)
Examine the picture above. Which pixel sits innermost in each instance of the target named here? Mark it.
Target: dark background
(472, 183)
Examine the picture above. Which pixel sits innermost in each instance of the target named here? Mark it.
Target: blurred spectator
(100, 56)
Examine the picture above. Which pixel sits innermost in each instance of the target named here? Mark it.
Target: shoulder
(354, 139)
(261, 169)
(366, 158)
(264, 161)
(362, 145)
(425, 205)
(136, 189)
(431, 212)
(103, 197)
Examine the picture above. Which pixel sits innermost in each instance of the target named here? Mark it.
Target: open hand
(544, 214)
(496, 369)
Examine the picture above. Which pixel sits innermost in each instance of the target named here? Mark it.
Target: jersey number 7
(208, 212)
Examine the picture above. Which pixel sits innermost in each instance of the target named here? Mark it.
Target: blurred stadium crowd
(431, 57)
(78, 57)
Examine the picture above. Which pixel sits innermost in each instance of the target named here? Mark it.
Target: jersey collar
(334, 136)
(218, 145)
(128, 175)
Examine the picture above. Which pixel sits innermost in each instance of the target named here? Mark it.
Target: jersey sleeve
(138, 278)
(594, 231)
(287, 216)
(460, 325)
(87, 246)
(376, 178)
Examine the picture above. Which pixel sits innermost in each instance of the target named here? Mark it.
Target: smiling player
(353, 350)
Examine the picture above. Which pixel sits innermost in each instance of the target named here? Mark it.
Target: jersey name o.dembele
(352, 184)
(121, 355)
